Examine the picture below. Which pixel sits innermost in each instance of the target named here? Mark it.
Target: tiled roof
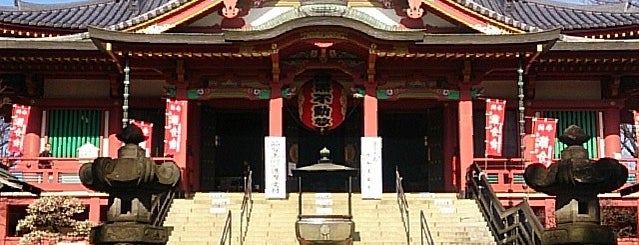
(101, 13)
(529, 15)
(10, 183)
(546, 14)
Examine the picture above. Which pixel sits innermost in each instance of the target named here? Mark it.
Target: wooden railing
(517, 225)
(425, 231)
(226, 231)
(403, 204)
(247, 206)
(62, 176)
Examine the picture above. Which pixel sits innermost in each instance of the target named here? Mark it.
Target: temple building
(385, 85)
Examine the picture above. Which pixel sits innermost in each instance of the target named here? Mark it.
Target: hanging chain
(521, 108)
(125, 95)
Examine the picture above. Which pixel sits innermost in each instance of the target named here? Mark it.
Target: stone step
(377, 221)
(465, 243)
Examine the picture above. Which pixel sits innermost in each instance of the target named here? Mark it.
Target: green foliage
(50, 219)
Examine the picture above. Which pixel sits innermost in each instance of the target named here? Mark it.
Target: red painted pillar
(4, 220)
(276, 103)
(636, 205)
(31, 144)
(194, 148)
(612, 140)
(115, 126)
(94, 210)
(181, 157)
(466, 147)
(370, 110)
(449, 147)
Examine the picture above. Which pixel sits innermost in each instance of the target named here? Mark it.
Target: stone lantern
(132, 181)
(575, 181)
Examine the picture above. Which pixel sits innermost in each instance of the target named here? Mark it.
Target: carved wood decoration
(614, 86)
(530, 83)
(115, 86)
(372, 58)
(387, 3)
(275, 60)
(230, 9)
(30, 84)
(466, 72)
(415, 10)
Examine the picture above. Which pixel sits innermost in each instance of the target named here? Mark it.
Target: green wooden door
(587, 120)
(70, 129)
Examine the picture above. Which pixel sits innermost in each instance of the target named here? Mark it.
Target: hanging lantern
(322, 104)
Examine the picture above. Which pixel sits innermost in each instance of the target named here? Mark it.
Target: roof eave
(596, 45)
(483, 39)
(44, 44)
(164, 38)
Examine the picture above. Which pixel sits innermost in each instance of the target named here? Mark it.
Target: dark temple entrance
(412, 141)
(231, 141)
(343, 142)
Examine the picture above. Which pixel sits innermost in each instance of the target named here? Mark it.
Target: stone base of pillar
(579, 234)
(129, 233)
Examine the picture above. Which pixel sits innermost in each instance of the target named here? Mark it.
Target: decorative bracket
(372, 58)
(415, 10)
(466, 72)
(230, 9)
(614, 86)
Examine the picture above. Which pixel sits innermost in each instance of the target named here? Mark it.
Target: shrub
(50, 220)
(622, 220)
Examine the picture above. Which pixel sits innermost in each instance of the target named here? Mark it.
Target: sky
(10, 2)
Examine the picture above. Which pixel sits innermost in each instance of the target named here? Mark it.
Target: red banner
(322, 104)
(19, 121)
(495, 111)
(635, 116)
(544, 131)
(147, 130)
(173, 126)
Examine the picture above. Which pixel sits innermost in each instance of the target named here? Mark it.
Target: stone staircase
(200, 220)
(450, 220)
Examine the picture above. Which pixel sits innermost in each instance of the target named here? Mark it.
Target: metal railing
(247, 206)
(226, 231)
(161, 205)
(403, 204)
(516, 225)
(425, 231)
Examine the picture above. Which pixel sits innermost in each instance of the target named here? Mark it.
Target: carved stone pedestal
(579, 234)
(578, 221)
(132, 233)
